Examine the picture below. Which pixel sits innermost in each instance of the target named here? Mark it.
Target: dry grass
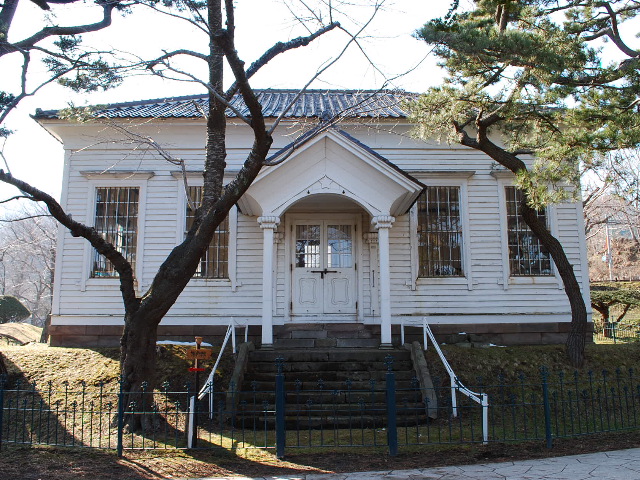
(494, 363)
(19, 333)
(42, 364)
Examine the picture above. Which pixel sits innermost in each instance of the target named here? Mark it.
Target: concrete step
(327, 330)
(308, 385)
(314, 367)
(328, 399)
(324, 382)
(326, 342)
(328, 354)
(379, 376)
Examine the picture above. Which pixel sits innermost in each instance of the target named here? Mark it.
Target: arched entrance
(323, 194)
(324, 250)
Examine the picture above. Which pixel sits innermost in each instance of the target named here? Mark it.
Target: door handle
(322, 272)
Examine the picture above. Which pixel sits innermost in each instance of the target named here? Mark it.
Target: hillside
(40, 363)
(19, 333)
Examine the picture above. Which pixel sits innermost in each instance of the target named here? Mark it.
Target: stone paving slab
(615, 465)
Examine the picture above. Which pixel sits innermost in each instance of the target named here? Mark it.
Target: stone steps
(326, 398)
(329, 366)
(324, 355)
(285, 343)
(331, 380)
(326, 335)
(330, 386)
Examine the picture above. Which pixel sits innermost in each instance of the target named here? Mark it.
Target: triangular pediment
(336, 163)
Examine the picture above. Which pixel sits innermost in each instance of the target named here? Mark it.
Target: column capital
(371, 237)
(383, 221)
(270, 222)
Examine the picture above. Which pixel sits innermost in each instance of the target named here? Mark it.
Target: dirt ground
(72, 464)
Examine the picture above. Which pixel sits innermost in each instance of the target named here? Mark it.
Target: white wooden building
(360, 228)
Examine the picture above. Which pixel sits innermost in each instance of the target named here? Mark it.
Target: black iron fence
(302, 413)
(616, 332)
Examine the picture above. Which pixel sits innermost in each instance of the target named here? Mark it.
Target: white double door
(324, 266)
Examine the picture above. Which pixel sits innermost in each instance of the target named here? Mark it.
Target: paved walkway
(615, 465)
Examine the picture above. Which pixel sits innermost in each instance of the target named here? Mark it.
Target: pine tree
(529, 84)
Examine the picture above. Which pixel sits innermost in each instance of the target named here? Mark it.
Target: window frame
(112, 179)
(123, 209)
(194, 179)
(443, 179)
(505, 179)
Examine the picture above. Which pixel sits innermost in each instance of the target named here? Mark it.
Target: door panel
(324, 278)
(307, 285)
(308, 289)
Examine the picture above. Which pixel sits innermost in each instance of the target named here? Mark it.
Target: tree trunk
(576, 339)
(577, 335)
(138, 363)
(44, 338)
(3, 369)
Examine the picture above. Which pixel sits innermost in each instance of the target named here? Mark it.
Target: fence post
(192, 427)
(392, 423)
(547, 406)
(2, 380)
(280, 410)
(121, 403)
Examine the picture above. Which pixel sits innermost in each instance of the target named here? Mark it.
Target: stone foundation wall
(326, 335)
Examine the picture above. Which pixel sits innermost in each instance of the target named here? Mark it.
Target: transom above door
(324, 266)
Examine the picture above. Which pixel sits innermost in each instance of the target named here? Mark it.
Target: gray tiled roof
(312, 103)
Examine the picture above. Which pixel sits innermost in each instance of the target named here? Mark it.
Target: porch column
(268, 225)
(383, 224)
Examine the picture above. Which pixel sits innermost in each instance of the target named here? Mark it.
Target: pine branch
(30, 42)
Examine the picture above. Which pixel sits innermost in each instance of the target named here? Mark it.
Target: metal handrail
(457, 386)
(206, 388)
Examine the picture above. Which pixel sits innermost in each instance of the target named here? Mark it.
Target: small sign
(194, 369)
(199, 354)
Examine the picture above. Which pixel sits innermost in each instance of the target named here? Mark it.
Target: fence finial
(280, 364)
(388, 362)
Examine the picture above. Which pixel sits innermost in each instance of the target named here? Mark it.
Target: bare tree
(27, 257)
(216, 20)
(612, 217)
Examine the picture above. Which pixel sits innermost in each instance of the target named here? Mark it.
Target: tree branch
(276, 50)
(168, 55)
(15, 197)
(28, 43)
(77, 229)
(11, 220)
(353, 38)
(614, 33)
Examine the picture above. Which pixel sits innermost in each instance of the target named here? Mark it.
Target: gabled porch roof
(332, 162)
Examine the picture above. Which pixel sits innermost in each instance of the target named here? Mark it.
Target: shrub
(11, 310)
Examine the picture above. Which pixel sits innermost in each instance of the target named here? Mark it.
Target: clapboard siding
(217, 300)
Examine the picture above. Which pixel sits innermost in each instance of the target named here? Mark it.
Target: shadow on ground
(71, 464)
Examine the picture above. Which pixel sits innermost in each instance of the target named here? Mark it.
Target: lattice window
(527, 257)
(308, 246)
(339, 246)
(215, 261)
(440, 233)
(116, 219)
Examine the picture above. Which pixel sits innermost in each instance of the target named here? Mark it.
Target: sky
(36, 157)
